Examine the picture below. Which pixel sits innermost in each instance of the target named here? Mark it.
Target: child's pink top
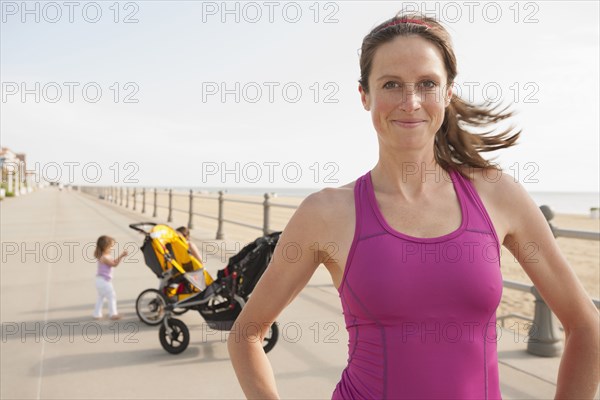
(104, 271)
(420, 312)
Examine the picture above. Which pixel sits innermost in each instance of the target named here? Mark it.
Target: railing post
(121, 195)
(544, 337)
(134, 198)
(127, 197)
(18, 181)
(114, 196)
(220, 234)
(144, 201)
(154, 211)
(170, 217)
(9, 181)
(190, 223)
(266, 214)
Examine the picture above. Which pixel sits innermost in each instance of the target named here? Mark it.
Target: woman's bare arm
(282, 281)
(579, 371)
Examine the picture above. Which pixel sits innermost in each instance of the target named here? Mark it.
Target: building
(15, 179)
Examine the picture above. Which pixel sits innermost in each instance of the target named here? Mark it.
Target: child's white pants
(105, 291)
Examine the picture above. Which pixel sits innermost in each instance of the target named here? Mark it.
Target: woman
(416, 243)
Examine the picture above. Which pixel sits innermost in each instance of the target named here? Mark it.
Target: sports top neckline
(387, 227)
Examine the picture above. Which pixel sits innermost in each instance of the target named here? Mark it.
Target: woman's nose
(411, 99)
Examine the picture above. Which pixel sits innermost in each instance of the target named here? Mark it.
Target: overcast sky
(177, 93)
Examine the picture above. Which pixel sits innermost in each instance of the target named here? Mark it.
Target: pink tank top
(104, 271)
(421, 312)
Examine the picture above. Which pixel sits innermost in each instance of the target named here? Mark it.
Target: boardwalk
(52, 349)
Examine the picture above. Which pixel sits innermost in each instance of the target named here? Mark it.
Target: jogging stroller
(185, 285)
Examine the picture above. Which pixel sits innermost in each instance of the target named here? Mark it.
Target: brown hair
(454, 144)
(184, 231)
(102, 244)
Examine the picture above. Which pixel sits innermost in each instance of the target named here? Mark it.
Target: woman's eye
(390, 85)
(429, 84)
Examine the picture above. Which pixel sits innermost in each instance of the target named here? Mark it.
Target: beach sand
(583, 256)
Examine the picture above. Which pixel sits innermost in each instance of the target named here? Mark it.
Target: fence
(121, 196)
(544, 337)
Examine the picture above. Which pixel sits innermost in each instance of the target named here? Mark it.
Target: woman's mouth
(408, 123)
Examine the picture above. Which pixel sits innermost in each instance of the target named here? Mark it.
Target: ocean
(568, 202)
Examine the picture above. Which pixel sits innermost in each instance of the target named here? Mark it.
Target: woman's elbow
(232, 344)
(238, 343)
(588, 324)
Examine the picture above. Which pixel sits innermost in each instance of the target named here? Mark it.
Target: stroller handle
(137, 226)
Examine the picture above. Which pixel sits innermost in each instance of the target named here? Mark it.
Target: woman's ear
(364, 98)
(448, 93)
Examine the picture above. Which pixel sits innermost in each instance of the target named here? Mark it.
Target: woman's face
(408, 93)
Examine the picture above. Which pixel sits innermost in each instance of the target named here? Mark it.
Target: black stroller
(185, 285)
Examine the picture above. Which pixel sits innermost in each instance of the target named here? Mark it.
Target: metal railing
(116, 196)
(544, 336)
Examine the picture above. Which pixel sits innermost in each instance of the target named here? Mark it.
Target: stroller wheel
(150, 307)
(178, 339)
(271, 338)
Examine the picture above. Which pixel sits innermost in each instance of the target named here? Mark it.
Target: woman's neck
(408, 178)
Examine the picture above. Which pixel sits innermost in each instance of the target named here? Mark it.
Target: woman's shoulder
(501, 195)
(325, 212)
(331, 199)
(493, 181)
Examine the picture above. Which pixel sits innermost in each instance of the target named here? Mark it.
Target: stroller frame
(218, 301)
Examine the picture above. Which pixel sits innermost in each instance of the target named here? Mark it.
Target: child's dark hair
(103, 243)
(184, 231)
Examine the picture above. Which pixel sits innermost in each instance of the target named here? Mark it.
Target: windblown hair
(455, 145)
(102, 244)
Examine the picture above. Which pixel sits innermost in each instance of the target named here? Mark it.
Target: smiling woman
(385, 71)
(416, 243)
